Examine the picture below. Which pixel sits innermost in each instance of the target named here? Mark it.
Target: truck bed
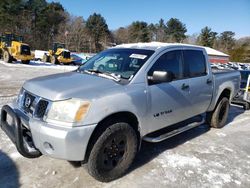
(223, 79)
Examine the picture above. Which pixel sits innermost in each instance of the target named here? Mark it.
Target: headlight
(68, 111)
(20, 98)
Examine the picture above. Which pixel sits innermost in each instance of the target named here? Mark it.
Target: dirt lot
(201, 157)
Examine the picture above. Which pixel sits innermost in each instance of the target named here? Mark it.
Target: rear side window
(195, 63)
(170, 61)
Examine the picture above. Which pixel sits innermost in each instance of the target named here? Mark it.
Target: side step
(173, 132)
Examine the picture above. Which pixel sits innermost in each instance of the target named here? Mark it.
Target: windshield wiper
(104, 74)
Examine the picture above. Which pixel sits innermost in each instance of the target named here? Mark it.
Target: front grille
(66, 55)
(41, 108)
(33, 105)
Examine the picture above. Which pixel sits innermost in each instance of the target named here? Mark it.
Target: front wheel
(113, 152)
(7, 57)
(218, 117)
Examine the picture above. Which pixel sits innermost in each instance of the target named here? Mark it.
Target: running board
(173, 133)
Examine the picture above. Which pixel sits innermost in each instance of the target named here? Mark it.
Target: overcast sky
(220, 15)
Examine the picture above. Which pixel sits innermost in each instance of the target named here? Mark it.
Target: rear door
(200, 80)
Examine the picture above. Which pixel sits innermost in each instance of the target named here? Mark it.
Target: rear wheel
(45, 58)
(25, 61)
(54, 60)
(113, 152)
(218, 117)
(7, 57)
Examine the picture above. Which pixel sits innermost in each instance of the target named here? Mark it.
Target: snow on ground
(39, 64)
(201, 157)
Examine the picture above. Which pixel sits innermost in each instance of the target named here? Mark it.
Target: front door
(168, 103)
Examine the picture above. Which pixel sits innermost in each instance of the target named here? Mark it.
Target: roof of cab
(152, 45)
(157, 45)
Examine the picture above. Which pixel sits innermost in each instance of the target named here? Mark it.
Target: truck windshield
(123, 63)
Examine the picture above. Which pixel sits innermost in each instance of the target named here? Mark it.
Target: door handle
(184, 86)
(209, 81)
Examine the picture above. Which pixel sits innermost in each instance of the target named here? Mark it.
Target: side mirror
(162, 76)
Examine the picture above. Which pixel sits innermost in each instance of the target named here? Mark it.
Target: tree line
(42, 23)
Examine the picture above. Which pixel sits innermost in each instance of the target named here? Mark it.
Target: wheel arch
(225, 93)
(124, 116)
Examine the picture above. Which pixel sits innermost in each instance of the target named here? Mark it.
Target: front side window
(124, 63)
(195, 63)
(170, 61)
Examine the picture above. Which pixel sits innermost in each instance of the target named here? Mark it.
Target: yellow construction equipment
(12, 48)
(58, 55)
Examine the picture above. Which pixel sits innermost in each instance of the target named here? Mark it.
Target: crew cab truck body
(101, 116)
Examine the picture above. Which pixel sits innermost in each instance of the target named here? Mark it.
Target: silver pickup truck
(100, 114)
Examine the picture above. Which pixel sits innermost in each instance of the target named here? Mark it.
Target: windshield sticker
(138, 56)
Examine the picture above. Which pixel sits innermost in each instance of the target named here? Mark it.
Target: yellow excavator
(58, 55)
(12, 48)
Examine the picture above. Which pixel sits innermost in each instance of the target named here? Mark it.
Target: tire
(218, 117)
(45, 58)
(7, 57)
(113, 152)
(54, 60)
(246, 106)
(25, 61)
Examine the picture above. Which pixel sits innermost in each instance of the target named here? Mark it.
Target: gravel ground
(201, 157)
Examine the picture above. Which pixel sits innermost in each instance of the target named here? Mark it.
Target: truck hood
(69, 85)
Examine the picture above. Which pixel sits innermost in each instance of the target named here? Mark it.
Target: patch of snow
(76, 179)
(212, 148)
(152, 45)
(228, 149)
(176, 160)
(157, 45)
(213, 52)
(46, 173)
(218, 165)
(221, 134)
(5, 76)
(217, 178)
(237, 182)
(15, 155)
(40, 64)
(54, 172)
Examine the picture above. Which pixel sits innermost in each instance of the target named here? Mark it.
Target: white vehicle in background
(39, 54)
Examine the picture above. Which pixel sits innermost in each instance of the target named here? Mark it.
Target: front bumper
(44, 138)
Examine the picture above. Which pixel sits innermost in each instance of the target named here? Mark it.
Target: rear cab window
(195, 63)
